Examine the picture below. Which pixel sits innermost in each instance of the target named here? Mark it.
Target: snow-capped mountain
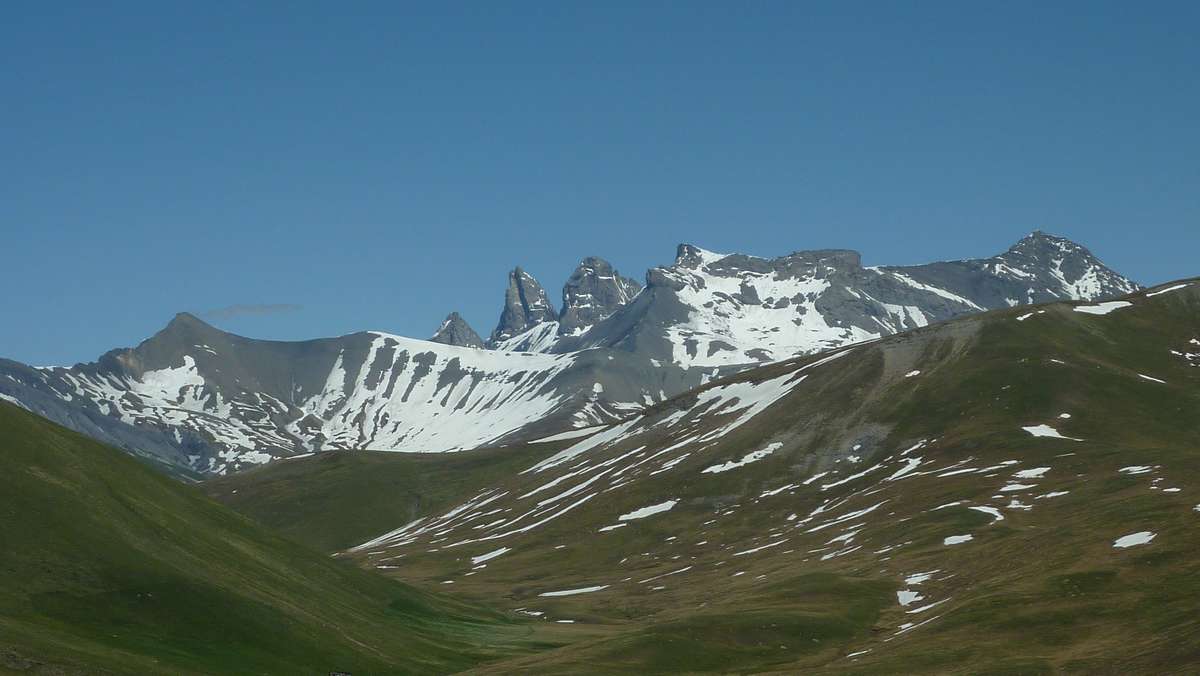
(208, 401)
(717, 310)
(593, 293)
(528, 323)
(205, 401)
(525, 305)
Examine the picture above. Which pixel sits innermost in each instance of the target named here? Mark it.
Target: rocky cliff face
(525, 306)
(593, 292)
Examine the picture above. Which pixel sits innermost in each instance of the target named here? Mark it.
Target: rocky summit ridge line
(202, 401)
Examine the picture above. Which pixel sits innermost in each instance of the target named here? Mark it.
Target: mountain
(204, 401)
(528, 324)
(1008, 492)
(592, 293)
(456, 331)
(198, 401)
(525, 306)
(717, 310)
(109, 567)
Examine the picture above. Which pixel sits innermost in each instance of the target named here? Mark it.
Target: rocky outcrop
(593, 292)
(525, 306)
(456, 331)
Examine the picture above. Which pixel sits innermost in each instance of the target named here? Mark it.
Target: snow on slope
(478, 396)
(386, 392)
(721, 327)
(661, 439)
(730, 311)
(539, 338)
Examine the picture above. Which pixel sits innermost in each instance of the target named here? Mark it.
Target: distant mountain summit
(593, 293)
(719, 310)
(456, 331)
(525, 305)
(202, 401)
(1059, 266)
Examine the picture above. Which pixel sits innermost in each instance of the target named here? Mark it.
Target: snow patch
(572, 592)
(1134, 539)
(1103, 308)
(644, 512)
(476, 560)
(570, 434)
(753, 456)
(1169, 289)
(1047, 431)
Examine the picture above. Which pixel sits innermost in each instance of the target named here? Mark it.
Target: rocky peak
(1042, 245)
(1061, 265)
(525, 306)
(456, 331)
(593, 292)
(187, 323)
(693, 257)
(799, 263)
(693, 265)
(186, 334)
(818, 263)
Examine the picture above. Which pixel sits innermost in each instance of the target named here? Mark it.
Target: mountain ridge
(200, 401)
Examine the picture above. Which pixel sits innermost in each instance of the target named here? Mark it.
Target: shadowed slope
(107, 566)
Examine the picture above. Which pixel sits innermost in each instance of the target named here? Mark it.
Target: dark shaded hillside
(109, 567)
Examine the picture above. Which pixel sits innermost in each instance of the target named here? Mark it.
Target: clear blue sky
(382, 164)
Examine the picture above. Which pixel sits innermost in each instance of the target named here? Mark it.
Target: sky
(297, 170)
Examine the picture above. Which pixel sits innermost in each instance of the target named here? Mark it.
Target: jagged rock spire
(456, 331)
(593, 292)
(525, 306)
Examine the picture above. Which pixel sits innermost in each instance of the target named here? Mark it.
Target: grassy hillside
(335, 500)
(108, 567)
(1012, 493)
